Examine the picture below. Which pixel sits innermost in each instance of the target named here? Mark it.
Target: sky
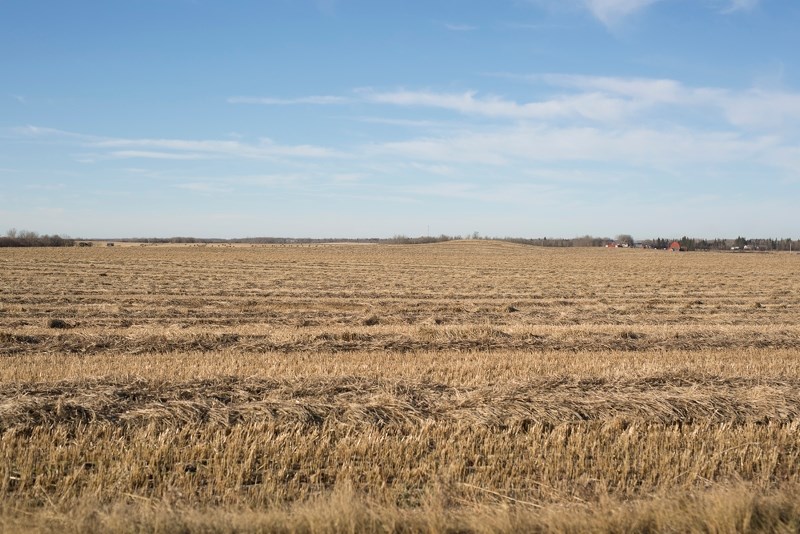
(374, 118)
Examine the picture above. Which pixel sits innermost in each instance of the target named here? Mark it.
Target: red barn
(674, 247)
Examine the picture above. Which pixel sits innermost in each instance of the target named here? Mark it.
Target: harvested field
(462, 386)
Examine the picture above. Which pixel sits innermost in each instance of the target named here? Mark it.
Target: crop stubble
(489, 384)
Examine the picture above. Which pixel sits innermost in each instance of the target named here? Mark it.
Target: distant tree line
(26, 238)
(297, 240)
(405, 240)
(584, 241)
(397, 239)
(740, 243)
(164, 240)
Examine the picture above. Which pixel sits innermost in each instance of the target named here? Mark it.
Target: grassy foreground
(731, 509)
(449, 388)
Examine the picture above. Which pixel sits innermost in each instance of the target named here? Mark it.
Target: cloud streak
(314, 100)
(611, 12)
(741, 5)
(578, 97)
(677, 148)
(589, 105)
(612, 100)
(180, 149)
(606, 129)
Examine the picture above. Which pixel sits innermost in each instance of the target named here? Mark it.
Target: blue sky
(360, 118)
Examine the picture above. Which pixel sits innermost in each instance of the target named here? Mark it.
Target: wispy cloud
(627, 146)
(656, 123)
(611, 99)
(30, 130)
(187, 149)
(578, 129)
(460, 27)
(740, 5)
(611, 12)
(316, 100)
(590, 105)
(645, 89)
(759, 109)
(180, 149)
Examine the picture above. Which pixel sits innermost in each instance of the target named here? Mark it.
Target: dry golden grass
(465, 386)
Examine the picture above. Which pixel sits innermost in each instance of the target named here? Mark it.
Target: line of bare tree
(26, 238)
